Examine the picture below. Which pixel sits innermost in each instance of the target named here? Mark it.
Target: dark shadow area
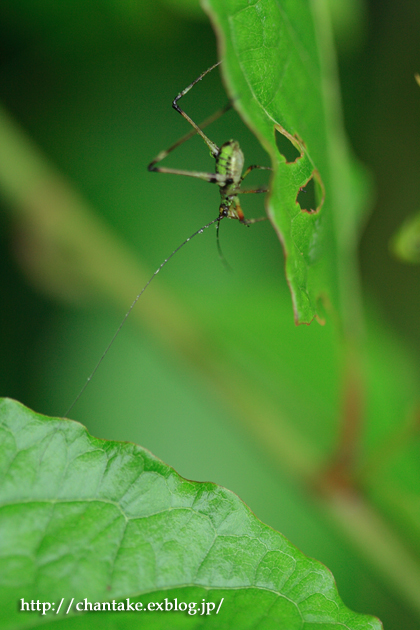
(286, 147)
(308, 197)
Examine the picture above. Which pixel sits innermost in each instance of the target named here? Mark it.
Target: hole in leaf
(286, 147)
(308, 196)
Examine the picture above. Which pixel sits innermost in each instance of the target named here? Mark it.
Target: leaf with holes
(105, 522)
(278, 68)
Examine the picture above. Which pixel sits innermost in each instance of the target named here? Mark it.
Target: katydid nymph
(228, 176)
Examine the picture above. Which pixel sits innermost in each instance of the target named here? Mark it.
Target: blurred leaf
(406, 243)
(279, 382)
(86, 518)
(278, 65)
(349, 23)
(86, 25)
(190, 8)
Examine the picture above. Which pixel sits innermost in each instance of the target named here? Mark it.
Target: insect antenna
(219, 249)
(200, 231)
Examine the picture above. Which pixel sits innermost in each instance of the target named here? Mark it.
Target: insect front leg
(162, 155)
(247, 172)
(252, 167)
(255, 190)
(214, 149)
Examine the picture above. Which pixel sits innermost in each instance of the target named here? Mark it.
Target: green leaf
(278, 66)
(406, 242)
(85, 518)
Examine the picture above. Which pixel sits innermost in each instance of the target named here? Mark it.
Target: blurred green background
(91, 85)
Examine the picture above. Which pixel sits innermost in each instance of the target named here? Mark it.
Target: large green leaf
(279, 69)
(85, 518)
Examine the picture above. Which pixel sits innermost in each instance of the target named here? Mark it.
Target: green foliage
(84, 518)
(315, 427)
(406, 243)
(276, 59)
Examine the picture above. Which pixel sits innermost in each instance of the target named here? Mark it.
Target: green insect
(229, 163)
(228, 176)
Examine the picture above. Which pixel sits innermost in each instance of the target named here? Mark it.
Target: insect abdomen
(230, 162)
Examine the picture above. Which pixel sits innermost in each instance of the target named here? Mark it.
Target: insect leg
(250, 221)
(212, 178)
(254, 166)
(219, 249)
(162, 155)
(255, 190)
(214, 149)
